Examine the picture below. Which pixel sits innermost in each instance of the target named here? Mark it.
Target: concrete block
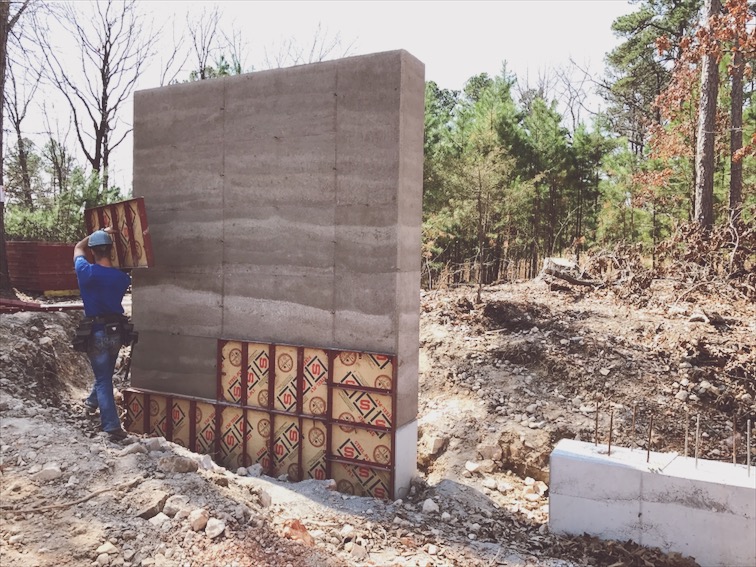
(406, 460)
(707, 512)
(176, 364)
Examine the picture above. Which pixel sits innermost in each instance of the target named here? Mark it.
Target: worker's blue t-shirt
(102, 289)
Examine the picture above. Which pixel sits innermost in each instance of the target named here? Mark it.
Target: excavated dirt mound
(500, 383)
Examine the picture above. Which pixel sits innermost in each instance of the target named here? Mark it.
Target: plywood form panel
(361, 480)
(158, 415)
(285, 395)
(132, 244)
(134, 421)
(258, 372)
(286, 445)
(258, 438)
(231, 437)
(364, 369)
(359, 406)
(231, 358)
(315, 382)
(204, 417)
(181, 422)
(314, 441)
(359, 444)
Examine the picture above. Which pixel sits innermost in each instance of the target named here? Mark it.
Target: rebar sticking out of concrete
(650, 429)
(698, 430)
(748, 448)
(687, 422)
(734, 442)
(611, 426)
(635, 409)
(595, 430)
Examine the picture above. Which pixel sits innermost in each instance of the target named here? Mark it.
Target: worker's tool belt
(112, 324)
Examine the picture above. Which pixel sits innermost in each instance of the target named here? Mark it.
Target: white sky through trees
(455, 40)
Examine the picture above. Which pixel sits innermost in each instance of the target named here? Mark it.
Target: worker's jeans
(102, 353)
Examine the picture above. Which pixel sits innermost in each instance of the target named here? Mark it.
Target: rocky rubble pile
(500, 383)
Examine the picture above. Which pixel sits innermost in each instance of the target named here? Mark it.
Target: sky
(454, 39)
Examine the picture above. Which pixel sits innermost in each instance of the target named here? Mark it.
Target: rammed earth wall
(284, 208)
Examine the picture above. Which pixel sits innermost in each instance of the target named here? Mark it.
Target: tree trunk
(4, 29)
(23, 166)
(707, 109)
(736, 136)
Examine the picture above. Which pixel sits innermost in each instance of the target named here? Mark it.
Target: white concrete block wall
(707, 512)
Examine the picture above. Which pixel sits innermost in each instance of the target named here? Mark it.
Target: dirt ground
(501, 381)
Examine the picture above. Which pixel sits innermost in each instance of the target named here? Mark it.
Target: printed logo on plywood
(361, 480)
(362, 369)
(362, 407)
(258, 363)
(315, 382)
(230, 371)
(134, 421)
(286, 379)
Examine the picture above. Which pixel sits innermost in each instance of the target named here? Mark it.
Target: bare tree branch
(290, 52)
(113, 46)
(203, 32)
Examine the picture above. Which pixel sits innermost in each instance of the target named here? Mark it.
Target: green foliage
(504, 184)
(58, 218)
(223, 68)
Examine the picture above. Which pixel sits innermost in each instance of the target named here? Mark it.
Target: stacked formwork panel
(300, 412)
(285, 209)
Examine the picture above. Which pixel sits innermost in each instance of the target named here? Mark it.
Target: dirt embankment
(500, 383)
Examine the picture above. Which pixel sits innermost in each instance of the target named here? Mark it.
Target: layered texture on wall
(284, 208)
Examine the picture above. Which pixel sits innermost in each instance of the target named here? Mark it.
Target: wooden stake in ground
(687, 421)
(650, 429)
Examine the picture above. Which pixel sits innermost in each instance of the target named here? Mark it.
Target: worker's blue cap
(99, 238)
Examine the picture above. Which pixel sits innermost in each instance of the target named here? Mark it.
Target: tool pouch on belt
(120, 325)
(80, 341)
(128, 335)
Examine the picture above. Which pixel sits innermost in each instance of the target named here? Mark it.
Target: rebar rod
(748, 448)
(698, 430)
(650, 429)
(595, 430)
(635, 409)
(734, 442)
(687, 424)
(611, 426)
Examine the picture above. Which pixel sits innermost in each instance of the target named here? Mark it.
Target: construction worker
(102, 289)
